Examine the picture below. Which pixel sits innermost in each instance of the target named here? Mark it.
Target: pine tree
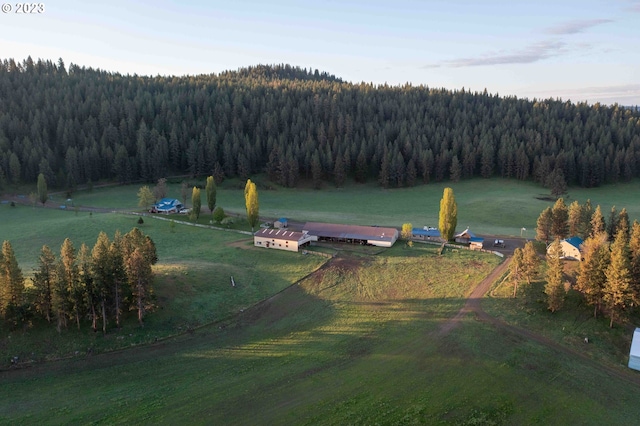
(448, 219)
(11, 285)
(70, 277)
(623, 222)
(575, 218)
(617, 295)
(597, 222)
(102, 274)
(634, 249)
(559, 228)
(251, 203)
(585, 220)
(43, 282)
(612, 224)
(554, 289)
(42, 189)
(591, 274)
(91, 294)
(530, 262)
(515, 269)
(211, 191)
(543, 228)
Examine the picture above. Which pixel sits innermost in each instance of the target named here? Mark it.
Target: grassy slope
(493, 206)
(192, 276)
(344, 347)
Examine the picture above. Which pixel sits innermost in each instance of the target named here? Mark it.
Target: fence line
(198, 225)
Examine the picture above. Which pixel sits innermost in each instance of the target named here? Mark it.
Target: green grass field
(357, 342)
(488, 206)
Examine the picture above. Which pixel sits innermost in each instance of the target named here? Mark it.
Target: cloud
(527, 55)
(575, 27)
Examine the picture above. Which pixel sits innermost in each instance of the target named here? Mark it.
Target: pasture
(357, 343)
(488, 206)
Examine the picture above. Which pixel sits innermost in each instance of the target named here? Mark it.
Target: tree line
(609, 273)
(78, 125)
(100, 284)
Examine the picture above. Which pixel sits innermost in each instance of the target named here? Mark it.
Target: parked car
(499, 243)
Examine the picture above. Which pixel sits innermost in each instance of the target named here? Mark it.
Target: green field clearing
(488, 206)
(357, 343)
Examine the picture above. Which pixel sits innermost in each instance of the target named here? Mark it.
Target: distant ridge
(282, 72)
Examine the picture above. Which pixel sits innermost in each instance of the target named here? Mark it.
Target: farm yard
(365, 337)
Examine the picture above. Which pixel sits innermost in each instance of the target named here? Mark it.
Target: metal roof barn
(373, 235)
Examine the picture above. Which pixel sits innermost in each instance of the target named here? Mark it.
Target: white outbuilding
(281, 239)
(634, 353)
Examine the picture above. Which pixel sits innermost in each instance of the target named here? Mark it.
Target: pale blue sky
(579, 50)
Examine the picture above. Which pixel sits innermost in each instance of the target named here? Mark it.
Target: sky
(582, 51)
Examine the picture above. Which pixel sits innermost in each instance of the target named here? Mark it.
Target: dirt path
(474, 304)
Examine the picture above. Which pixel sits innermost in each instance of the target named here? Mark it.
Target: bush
(140, 221)
(218, 214)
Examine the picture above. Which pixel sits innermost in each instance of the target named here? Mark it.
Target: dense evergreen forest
(77, 125)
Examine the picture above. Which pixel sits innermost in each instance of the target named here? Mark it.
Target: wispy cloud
(527, 55)
(575, 27)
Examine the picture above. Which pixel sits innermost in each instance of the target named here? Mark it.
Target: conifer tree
(530, 262)
(43, 282)
(575, 218)
(554, 289)
(612, 224)
(118, 276)
(42, 189)
(211, 191)
(623, 222)
(543, 228)
(102, 274)
(617, 294)
(251, 203)
(597, 222)
(11, 285)
(591, 273)
(71, 280)
(91, 295)
(559, 228)
(448, 218)
(515, 269)
(634, 248)
(585, 220)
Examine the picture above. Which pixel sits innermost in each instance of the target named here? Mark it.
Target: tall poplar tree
(448, 218)
(42, 189)
(251, 203)
(211, 191)
(196, 203)
(554, 289)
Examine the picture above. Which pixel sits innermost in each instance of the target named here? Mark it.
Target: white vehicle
(184, 211)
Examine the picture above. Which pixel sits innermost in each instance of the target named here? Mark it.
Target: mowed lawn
(488, 206)
(356, 343)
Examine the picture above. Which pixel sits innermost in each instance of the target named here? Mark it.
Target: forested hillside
(78, 125)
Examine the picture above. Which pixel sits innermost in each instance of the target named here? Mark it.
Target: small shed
(634, 353)
(283, 222)
(468, 237)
